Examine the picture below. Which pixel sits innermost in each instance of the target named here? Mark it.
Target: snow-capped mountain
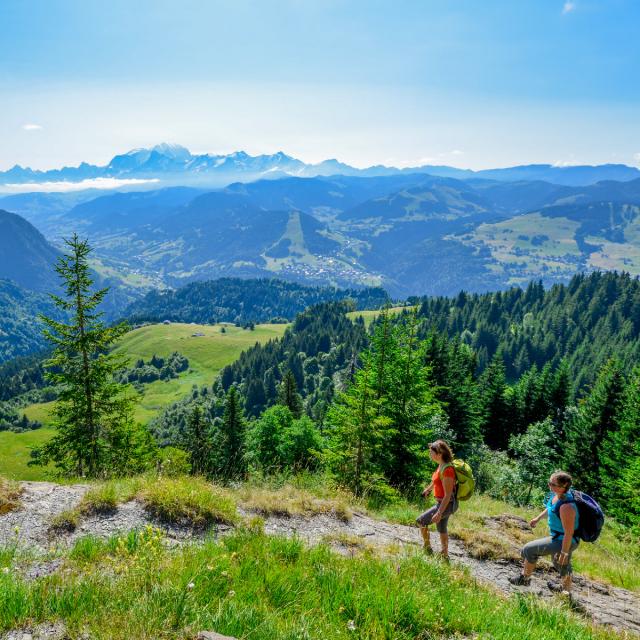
(172, 164)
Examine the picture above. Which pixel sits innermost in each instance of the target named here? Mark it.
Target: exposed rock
(212, 635)
(45, 631)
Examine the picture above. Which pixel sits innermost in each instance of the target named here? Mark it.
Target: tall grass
(263, 588)
(10, 492)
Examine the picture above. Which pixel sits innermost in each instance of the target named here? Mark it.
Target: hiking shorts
(548, 547)
(425, 519)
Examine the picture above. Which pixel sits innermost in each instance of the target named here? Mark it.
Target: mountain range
(171, 164)
(411, 233)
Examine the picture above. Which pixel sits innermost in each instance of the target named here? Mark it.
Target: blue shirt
(555, 524)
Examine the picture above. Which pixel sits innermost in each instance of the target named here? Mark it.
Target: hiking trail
(29, 526)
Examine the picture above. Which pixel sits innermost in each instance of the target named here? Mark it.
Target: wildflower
(5, 569)
(224, 574)
(341, 609)
(231, 593)
(190, 586)
(351, 625)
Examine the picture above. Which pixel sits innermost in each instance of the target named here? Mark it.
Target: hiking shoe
(558, 588)
(521, 580)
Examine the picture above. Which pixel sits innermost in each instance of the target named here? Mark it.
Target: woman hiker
(443, 484)
(563, 517)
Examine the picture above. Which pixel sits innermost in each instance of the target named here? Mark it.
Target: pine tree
(494, 409)
(230, 440)
(620, 450)
(197, 441)
(408, 402)
(93, 414)
(357, 432)
(598, 417)
(288, 395)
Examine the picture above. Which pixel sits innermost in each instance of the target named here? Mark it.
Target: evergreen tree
(408, 402)
(93, 414)
(494, 408)
(357, 432)
(288, 395)
(230, 440)
(620, 451)
(596, 420)
(197, 441)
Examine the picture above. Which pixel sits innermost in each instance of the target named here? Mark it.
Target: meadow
(207, 355)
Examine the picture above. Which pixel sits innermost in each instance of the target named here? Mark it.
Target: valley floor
(39, 552)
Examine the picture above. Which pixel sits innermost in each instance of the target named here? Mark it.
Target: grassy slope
(14, 454)
(207, 356)
(369, 316)
(249, 585)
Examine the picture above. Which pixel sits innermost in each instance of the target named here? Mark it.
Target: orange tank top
(438, 488)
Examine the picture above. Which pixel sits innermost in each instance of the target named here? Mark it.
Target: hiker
(563, 518)
(443, 485)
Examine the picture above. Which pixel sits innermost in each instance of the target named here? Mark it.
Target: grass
(10, 493)
(187, 501)
(14, 454)
(192, 501)
(207, 355)
(370, 315)
(264, 588)
(290, 500)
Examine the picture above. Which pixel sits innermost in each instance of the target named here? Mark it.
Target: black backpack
(591, 516)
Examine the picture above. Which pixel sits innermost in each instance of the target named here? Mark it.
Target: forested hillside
(20, 329)
(591, 319)
(243, 301)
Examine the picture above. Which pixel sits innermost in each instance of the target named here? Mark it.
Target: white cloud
(637, 156)
(457, 152)
(30, 126)
(568, 7)
(63, 187)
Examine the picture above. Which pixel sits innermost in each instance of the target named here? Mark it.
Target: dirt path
(41, 501)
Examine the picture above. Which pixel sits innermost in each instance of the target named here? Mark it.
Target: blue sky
(467, 83)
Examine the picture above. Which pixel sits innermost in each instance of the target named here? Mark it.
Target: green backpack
(465, 481)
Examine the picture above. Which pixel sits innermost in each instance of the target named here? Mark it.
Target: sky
(466, 83)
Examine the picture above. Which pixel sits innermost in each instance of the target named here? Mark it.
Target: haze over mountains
(413, 233)
(171, 164)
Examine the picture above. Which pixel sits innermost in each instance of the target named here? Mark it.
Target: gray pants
(425, 519)
(548, 547)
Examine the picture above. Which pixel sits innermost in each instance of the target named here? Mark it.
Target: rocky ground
(30, 527)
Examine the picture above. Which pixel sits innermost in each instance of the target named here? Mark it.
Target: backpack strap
(455, 478)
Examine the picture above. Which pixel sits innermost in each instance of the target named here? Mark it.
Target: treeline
(243, 301)
(591, 319)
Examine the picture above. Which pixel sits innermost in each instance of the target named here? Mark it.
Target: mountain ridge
(173, 163)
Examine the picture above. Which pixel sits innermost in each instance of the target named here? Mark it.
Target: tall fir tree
(408, 402)
(620, 452)
(493, 404)
(196, 441)
(357, 432)
(93, 415)
(230, 439)
(597, 418)
(288, 395)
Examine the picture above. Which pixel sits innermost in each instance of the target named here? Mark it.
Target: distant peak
(172, 150)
